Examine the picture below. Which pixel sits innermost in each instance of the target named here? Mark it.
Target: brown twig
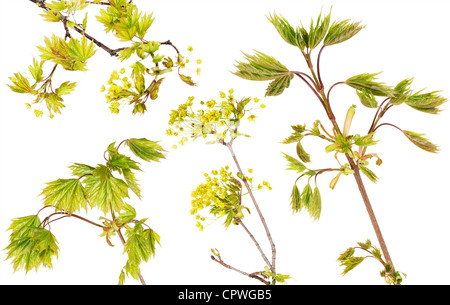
(253, 275)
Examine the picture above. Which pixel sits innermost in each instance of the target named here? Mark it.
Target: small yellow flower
(190, 49)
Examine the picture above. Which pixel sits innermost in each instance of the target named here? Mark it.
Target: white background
(411, 201)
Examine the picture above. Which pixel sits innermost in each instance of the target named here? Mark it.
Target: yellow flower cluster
(219, 118)
(221, 194)
(119, 88)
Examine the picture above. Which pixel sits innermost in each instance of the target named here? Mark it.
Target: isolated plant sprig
(129, 25)
(221, 195)
(339, 141)
(32, 243)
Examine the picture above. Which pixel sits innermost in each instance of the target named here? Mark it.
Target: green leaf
(128, 214)
(341, 31)
(105, 191)
(294, 164)
(154, 88)
(315, 206)
(65, 88)
(79, 169)
(127, 52)
(371, 175)
(286, 31)
(144, 24)
(367, 83)
(420, 141)
(151, 46)
(318, 32)
(151, 238)
(365, 245)
(351, 263)
(34, 248)
(67, 195)
(119, 162)
(401, 92)
(145, 149)
(302, 154)
(137, 246)
(366, 140)
(80, 49)
(307, 195)
(296, 200)
(85, 19)
(53, 102)
(277, 86)
(20, 84)
(36, 70)
(346, 254)
(426, 102)
(121, 278)
(262, 67)
(367, 98)
(70, 55)
(139, 83)
(20, 226)
(57, 6)
(132, 181)
(187, 79)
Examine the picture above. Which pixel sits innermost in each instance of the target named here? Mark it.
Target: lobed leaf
(105, 191)
(145, 149)
(66, 195)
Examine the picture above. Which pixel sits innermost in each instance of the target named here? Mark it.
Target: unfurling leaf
(334, 181)
(366, 82)
(296, 200)
(307, 195)
(351, 263)
(420, 141)
(426, 102)
(318, 32)
(296, 136)
(401, 92)
(294, 164)
(315, 207)
(371, 175)
(341, 31)
(367, 98)
(187, 80)
(365, 245)
(302, 154)
(286, 31)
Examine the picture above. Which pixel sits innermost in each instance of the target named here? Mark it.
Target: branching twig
(253, 275)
